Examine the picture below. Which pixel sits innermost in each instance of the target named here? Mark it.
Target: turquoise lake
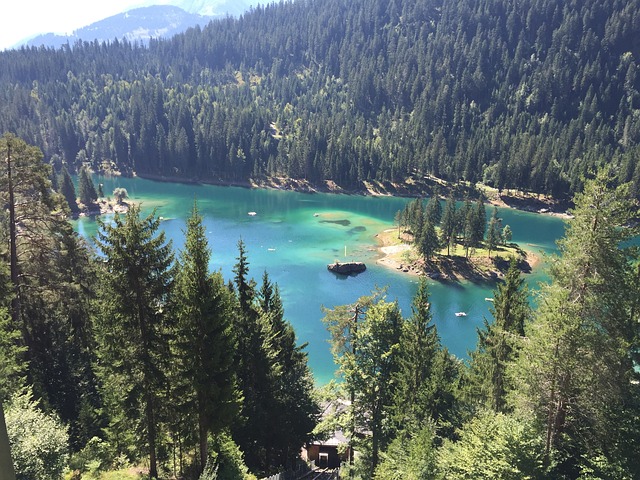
(293, 236)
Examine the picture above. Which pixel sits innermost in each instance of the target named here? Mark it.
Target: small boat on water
(487, 299)
(461, 314)
(252, 214)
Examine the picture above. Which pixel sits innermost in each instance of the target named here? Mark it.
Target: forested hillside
(528, 94)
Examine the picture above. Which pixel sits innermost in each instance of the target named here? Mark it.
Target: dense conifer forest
(529, 95)
(135, 361)
(133, 358)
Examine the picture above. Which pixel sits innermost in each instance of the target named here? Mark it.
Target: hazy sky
(22, 19)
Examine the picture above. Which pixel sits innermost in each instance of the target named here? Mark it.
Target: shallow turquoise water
(293, 236)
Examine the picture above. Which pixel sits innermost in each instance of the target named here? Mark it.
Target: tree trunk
(151, 436)
(203, 431)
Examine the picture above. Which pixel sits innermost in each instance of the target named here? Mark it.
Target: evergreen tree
(416, 218)
(204, 343)
(425, 385)
(293, 410)
(468, 227)
(433, 211)
(493, 232)
(253, 363)
(86, 188)
(52, 281)
(479, 224)
(493, 446)
(410, 456)
(575, 369)
(448, 227)
(367, 356)
(428, 241)
(498, 342)
(132, 324)
(506, 235)
(67, 190)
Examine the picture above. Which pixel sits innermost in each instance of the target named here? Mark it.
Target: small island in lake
(451, 245)
(347, 268)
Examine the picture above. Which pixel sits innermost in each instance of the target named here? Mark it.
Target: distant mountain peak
(150, 21)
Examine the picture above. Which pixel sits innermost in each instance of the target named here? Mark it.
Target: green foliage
(493, 446)
(433, 211)
(95, 456)
(574, 370)
(448, 227)
(506, 234)
(428, 241)
(494, 236)
(132, 323)
(86, 188)
(39, 442)
(52, 279)
(410, 457)
(366, 346)
(120, 194)
(536, 93)
(279, 410)
(499, 342)
(12, 365)
(203, 371)
(226, 461)
(68, 190)
(427, 376)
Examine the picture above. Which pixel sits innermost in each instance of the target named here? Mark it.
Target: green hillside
(529, 94)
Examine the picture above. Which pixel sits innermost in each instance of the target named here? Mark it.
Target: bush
(226, 461)
(94, 457)
(39, 442)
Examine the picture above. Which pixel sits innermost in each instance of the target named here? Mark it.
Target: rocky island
(347, 268)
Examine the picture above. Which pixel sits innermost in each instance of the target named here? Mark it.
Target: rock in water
(347, 268)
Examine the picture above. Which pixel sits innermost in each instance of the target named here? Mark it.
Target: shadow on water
(356, 230)
(344, 222)
(343, 276)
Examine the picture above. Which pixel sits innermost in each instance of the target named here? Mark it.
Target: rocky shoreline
(412, 187)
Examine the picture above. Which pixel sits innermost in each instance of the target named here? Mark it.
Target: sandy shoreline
(450, 269)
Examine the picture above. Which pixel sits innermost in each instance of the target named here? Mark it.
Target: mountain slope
(530, 95)
(139, 24)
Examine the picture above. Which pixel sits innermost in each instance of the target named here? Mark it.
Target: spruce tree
(132, 324)
(428, 242)
(493, 232)
(253, 363)
(433, 211)
(86, 188)
(67, 190)
(51, 278)
(293, 410)
(498, 341)
(204, 343)
(479, 223)
(448, 227)
(575, 371)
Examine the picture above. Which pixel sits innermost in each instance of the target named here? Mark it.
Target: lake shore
(413, 187)
(401, 256)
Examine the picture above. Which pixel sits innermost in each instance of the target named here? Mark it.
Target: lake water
(293, 236)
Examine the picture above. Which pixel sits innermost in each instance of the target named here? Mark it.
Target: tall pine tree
(204, 342)
(132, 324)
